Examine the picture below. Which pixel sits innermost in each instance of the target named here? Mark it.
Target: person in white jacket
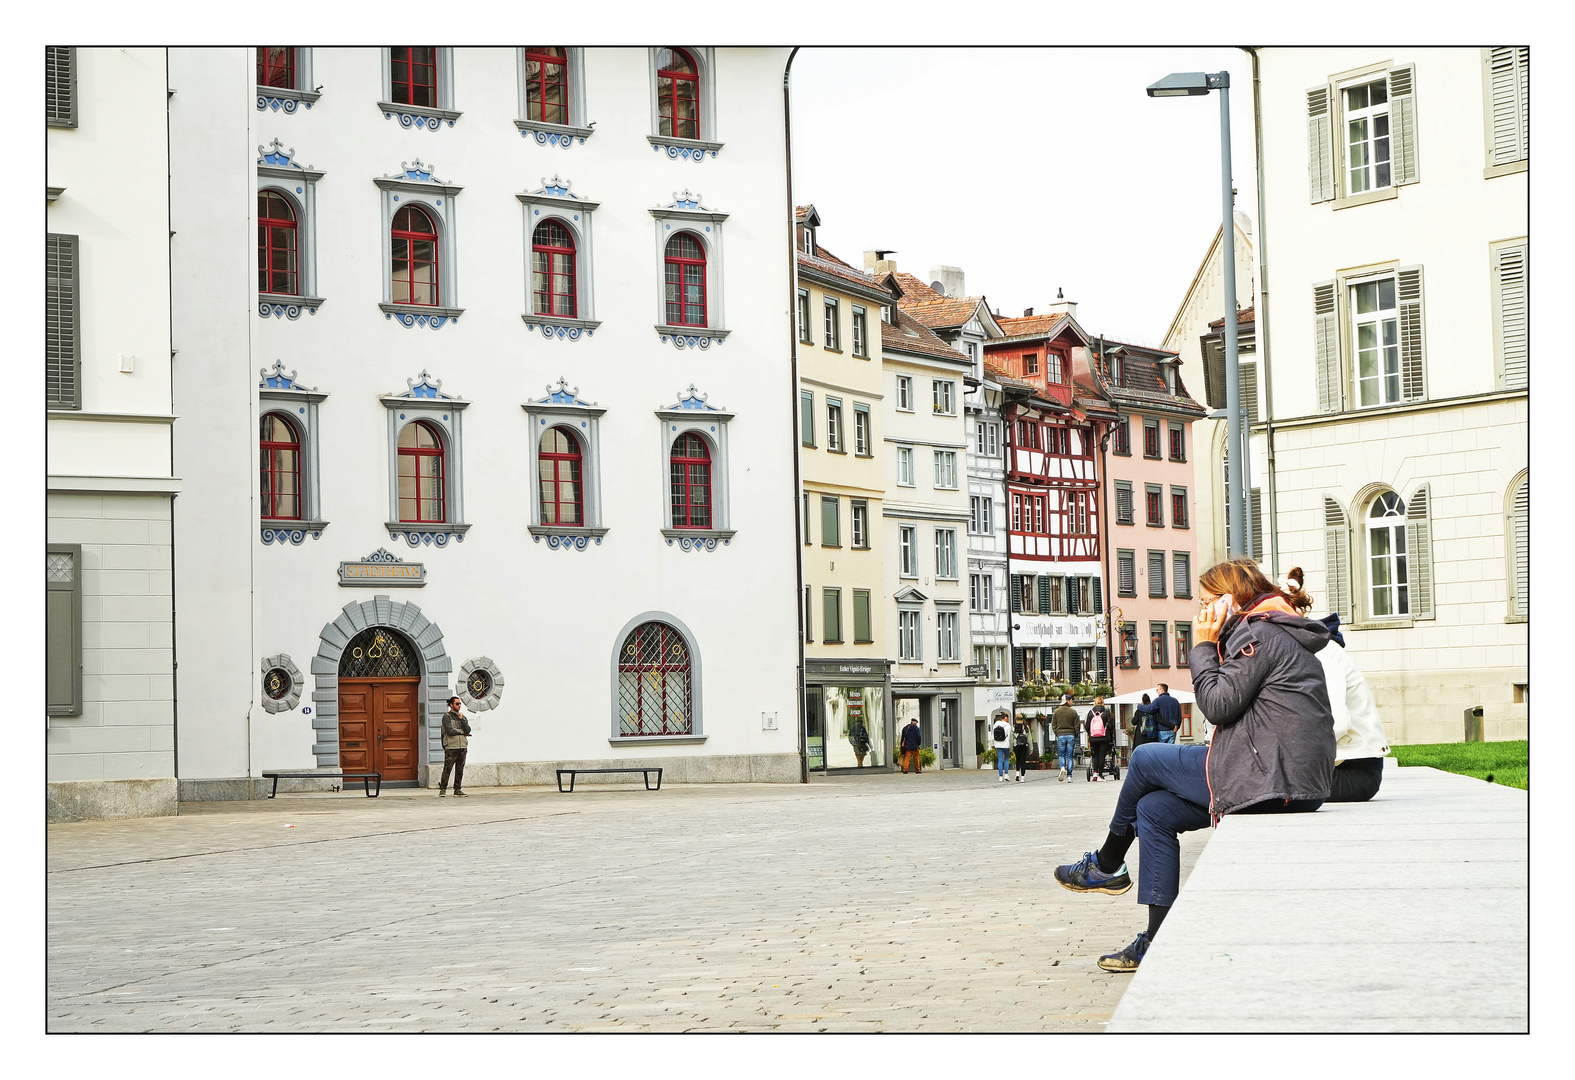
(1359, 742)
(1001, 740)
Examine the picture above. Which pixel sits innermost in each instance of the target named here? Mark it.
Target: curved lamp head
(1189, 84)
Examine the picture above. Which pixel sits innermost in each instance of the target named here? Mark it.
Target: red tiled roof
(909, 335)
(915, 290)
(1244, 317)
(1032, 325)
(831, 266)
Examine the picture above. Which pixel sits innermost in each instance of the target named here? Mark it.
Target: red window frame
(1178, 444)
(546, 72)
(1178, 508)
(561, 470)
(553, 282)
(685, 275)
(1039, 514)
(280, 480)
(276, 66)
(412, 75)
(411, 248)
(1123, 436)
(677, 92)
(1156, 508)
(656, 659)
(1077, 513)
(420, 462)
(1017, 512)
(690, 476)
(278, 245)
(1151, 439)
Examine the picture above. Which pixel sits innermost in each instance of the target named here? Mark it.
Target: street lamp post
(1192, 84)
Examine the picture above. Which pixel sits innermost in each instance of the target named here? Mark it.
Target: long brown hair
(1245, 581)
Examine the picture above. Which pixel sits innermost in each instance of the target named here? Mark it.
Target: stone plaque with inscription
(382, 569)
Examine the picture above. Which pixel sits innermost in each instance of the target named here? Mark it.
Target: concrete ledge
(713, 769)
(107, 800)
(227, 789)
(1408, 913)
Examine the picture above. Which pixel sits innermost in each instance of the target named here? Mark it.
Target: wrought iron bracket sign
(382, 569)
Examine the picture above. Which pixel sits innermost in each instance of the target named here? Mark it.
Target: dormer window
(806, 239)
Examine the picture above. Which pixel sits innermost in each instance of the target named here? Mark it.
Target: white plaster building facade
(1396, 221)
(110, 697)
(497, 408)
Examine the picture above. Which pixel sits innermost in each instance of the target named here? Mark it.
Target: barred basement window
(655, 689)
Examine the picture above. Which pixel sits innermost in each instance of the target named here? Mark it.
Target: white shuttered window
(1508, 79)
(1511, 288)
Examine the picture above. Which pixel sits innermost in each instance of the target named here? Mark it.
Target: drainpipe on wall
(798, 501)
(1262, 318)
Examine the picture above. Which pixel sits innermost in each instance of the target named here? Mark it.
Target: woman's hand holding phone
(1206, 627)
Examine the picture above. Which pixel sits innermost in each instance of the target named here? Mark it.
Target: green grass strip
(1506, 763)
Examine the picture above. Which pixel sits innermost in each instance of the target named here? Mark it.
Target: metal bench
(365, 778)
(647, 772)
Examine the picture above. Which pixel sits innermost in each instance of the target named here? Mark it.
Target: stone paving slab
(877, 903)
(1356, 918)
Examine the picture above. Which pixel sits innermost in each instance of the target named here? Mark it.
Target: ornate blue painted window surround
(560, 135)
(278, 172)
(673, 147)
(692, 414)
(415, 183)
(425, 401)
(553, 201)
(686, 213)
(563, 407)
(281, 392)
(301, 91)
(430, 117)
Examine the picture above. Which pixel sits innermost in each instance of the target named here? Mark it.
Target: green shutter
(1017, 591)
(1099, 602)
(63, 630)
(1074, 664)
(1510, 285)
(1413, 366)
(1046, 603)
(62, 322)
(1044, 658)
(1520, 551)
(1101, 664)
(831, 616)
(1071, 595)
(1255, 508)
(806, 418)
(1509, 97)
(1320, 146)
(809, 610)
(861, 616)
(1419, 552)
(830, 531)
(1402, 129)
(1337, 559)
(1017, 665)
(1326, 348)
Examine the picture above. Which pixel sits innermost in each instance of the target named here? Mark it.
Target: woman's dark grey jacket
(1263, 689)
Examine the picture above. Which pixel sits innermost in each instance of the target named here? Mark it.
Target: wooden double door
(379, 729)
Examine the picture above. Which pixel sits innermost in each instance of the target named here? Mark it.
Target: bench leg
(275, 790)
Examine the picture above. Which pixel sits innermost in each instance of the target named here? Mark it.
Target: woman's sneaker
(1062, 777)
(1128, 958)
(1086, 876)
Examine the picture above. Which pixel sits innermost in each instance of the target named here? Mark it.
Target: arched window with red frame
(677, 94)
(414, 251)
(691, 482)
(562, 493)
(278, 245)
(552, 270)
(280, 460)
(547, 84)
(421, 474)
(412, 75)
(276, 66)
(685, 268)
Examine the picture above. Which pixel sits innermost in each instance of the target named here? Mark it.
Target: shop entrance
(379, 706)
(948, 753)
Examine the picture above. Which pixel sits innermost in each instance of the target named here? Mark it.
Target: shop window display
(853, 727)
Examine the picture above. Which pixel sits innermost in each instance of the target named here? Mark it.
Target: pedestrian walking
(1020, 745)
(1065, 723)
(1256, 674)
(1145, 723)
(1169, 714)
(1001, 740)
(1101, 732)
(911, 738)
(456, 740)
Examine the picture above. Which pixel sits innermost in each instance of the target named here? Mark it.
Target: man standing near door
(911, 738)
(456, 739)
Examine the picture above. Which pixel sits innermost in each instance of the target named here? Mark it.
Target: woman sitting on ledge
(1257, 678)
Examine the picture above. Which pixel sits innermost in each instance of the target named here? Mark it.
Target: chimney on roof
(1061, 305)
(876, 262)
(1027, 311)
(949, 279)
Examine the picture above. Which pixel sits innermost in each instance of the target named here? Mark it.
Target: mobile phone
(1222, 608)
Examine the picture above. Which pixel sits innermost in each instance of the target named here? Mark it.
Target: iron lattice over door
(654, 683)
(378, 653)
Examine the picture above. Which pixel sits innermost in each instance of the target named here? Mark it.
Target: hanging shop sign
(382, 569)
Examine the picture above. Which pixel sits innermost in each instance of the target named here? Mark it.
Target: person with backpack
(1169, 714)
(1020, 744)
(911, 738)
(1145, 723)
(1065, 723)
(1000, 739)
(1101, 732)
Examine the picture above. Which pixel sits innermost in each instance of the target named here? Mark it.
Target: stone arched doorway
(380, 705)
(423, 666)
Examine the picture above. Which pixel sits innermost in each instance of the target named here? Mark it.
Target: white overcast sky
(1031, 169)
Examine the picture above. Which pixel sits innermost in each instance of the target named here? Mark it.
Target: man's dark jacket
(1263, 689)
(911, 737)
(1169, 712)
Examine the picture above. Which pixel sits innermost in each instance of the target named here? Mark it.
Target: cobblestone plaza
(891, 903)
